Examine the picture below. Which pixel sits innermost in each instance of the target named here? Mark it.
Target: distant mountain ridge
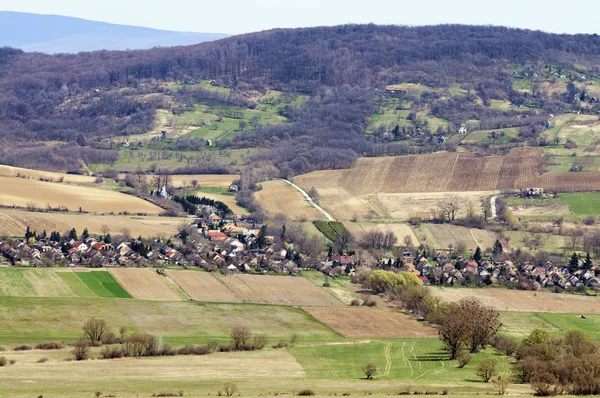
(54, 34)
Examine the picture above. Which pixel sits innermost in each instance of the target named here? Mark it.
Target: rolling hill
(54, 34)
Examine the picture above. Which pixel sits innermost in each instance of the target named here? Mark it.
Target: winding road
(312, 202)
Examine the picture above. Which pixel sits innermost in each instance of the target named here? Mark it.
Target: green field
(33, 283)
(520, 324)
(338, 287)
(33, 320)
(331, 229)
(103, 284)
(583, 203)
(76, 284)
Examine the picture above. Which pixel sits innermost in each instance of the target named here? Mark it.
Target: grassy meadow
(103, 284)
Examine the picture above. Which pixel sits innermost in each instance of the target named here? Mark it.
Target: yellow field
(359, 230)
(144, 284)
(21, 192)
(204, 180)
(519, 300)
(9, 171)
(229, 200)
(15, 222)
(278, 197)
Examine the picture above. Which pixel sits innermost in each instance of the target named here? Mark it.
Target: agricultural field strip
(309, 200)
(144, 284)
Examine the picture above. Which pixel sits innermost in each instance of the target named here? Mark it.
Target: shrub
(55, 345)
(12, 361)
(167, 351)
(43, 360)
(589, 220)
(463, 358)
(240, 336)
(500, 385)
(370, 370)
(110, 338)
(111, 352)
(2, 349)
(225, 348)
(81, 350)
(3, 361)
(23, 348)
(281, 344)
(355, 303)
(306, 393)
(369, 301)
(486, 369)
(140, 345)
(230, 389)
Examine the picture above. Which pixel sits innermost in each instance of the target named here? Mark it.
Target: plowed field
(144, 284)
(203, 286)
(283, 290)
(367, 323)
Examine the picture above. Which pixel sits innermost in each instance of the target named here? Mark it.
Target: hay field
(33, 283)
(21, 192)
(518, 300)
(14, 223)
(229, 200)
(359, 230)
(202, 286)
(367, 323)
(144, 284)
(278, 197)
(444, 236)
(9, 171)
(204, 180)
(282, 290)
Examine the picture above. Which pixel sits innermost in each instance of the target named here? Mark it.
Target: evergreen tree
(73, 234)
(588, 262)
(85, 234)
(574, 263)
(477, 255)
(184, 235)
(497, 249)
(330, 252)
(283, 231)
(107, 239)
(28, 233)
(261, 241)
(44, 235)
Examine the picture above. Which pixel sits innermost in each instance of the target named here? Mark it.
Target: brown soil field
(372, 323)
(359, 230)
(14, 223)
(204, 180)
(283, 290)
(202, 286)
(278, 197)
(21, 192)
(518, 300)
(144, 284)
(9, 171)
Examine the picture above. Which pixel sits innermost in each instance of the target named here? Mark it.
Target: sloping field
(80, 288)
(371, 323)
(9, 171)
(15, 222)
(203, 180)
(144, 284)
(359, 230)
(202, 286)
(33, 283)
(446, 236)
(517, 300)
(21, 192)
(278, 197)
(283, 290)
(103, 284)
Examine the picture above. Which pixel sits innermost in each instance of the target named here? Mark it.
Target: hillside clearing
(9, 171)
(202, 286)
(23, 192)
(14, 223)
(278, 197)
(283, 290)
(144, 284)
(371, 323)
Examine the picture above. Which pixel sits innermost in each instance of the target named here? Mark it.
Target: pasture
(144, 284)
(447, 236)
(583, 204)
(278, 197)
(367, 323)
(23, 192)
(281, 290)
(34, 320)
(33, 283)
(103, 284)
(360, 229)
(338, 287)
(14, 223)
(203, 180)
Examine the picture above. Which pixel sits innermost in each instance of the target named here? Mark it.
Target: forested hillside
(466, 74)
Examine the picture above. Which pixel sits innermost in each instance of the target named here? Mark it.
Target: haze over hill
(58, 34)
